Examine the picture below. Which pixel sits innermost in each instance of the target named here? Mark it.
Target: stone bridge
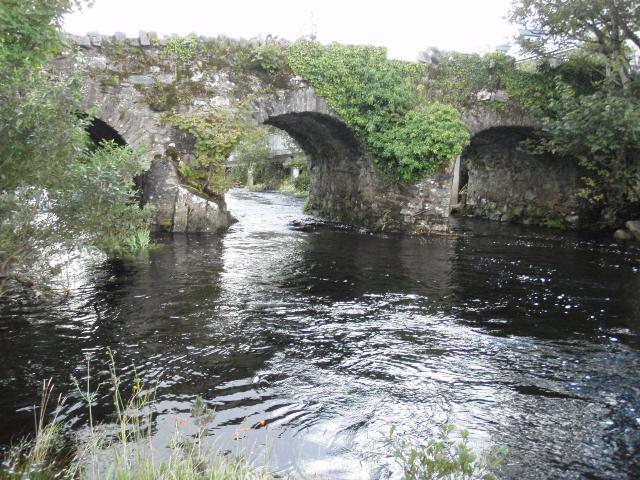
(499, 181)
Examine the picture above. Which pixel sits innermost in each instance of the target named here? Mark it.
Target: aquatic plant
(126, 451)
(444, 457)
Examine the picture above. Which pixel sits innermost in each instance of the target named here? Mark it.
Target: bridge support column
(455, 185)
(250, 176)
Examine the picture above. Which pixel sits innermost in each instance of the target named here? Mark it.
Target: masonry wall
(504, 182)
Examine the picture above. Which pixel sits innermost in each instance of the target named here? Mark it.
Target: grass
(288, 187)
(125, 453)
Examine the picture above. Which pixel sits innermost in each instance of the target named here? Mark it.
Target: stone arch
(482, 118)
(126, 111)
(344, 182)
(100, 131)
(500, 180)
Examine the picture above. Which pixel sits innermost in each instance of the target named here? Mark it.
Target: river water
(527, 337)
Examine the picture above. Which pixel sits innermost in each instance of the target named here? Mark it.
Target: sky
(405, 27)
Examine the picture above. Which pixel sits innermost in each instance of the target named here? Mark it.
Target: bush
(381, 100)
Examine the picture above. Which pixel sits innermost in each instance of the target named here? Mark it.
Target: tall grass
(444, 457)
(123, 453)
(124, 450)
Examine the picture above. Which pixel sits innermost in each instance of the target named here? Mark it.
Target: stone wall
(505, 183)
(129, 84)
(117, 92)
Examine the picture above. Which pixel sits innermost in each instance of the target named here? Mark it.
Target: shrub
(381, 100)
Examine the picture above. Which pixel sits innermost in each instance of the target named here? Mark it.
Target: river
(527, 337)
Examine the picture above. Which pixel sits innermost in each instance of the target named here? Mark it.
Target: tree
(57, 193)
(592, 118)
(603, 27)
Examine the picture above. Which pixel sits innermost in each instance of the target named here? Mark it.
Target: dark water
(528, 338)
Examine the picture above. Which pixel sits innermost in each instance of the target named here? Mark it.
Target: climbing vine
(381, 100)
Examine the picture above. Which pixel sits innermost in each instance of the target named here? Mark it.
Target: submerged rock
(623, 234)
(634, 227)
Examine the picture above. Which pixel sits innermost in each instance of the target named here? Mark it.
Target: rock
(634, 227)
(500, 96)
(97, 63)
(483, 95)
(430, 56)
(623, 235)
(96, 38)
(145, 80)
(196, 213)
(572, 220)
(82, 40)
(145, 41)
(178, 208)
(120, 37)
(160, 184)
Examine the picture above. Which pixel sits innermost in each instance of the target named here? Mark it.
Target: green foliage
(269, 58)
(302, 181)
(162, 97)
(29, 31)
(110, 81)
(458, 78)
(181, 49)
(95, 199)
(242, 59)
(444, 458)
(423, 141)
(216, 134)
(254, 147)
(269, 175)
(592, 105)
(602, 28)
(124, 451)
(56, 193)
(381, 100)
(601, 131)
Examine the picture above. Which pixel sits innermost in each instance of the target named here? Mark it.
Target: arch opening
(500, 180)
(100, 131)
(341, 174)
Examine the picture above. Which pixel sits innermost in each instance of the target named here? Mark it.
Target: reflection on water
(528, 338)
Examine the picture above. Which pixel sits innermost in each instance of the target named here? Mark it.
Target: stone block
(97, 63)
(120, 37)
(623, 235)
(96, 39)
(82, 40)
(145, 80)
(634, 227)
(181, 211)
(160, 184)
(143, 38)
